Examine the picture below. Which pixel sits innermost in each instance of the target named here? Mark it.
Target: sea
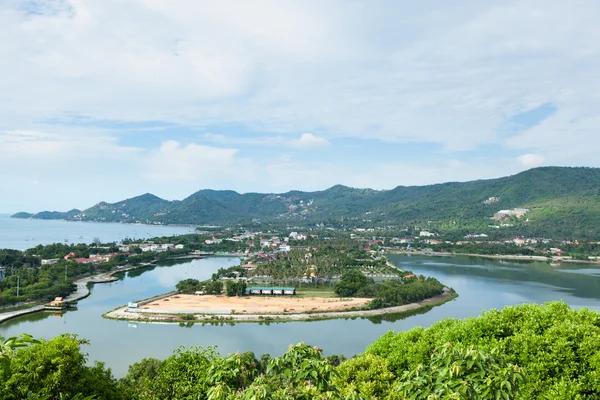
(23, 234)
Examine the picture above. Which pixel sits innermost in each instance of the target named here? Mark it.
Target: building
(426, 234)
(269, 291)
(2, 273)
(58, 301)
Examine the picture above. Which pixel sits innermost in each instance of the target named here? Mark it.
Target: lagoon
(482, 284)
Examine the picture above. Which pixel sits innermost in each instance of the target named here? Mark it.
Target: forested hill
(562, 201)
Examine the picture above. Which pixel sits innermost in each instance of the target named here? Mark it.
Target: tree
(138, 383)
(367, 375)
(8, 349)
(463, 373)
(57, 369)
(351, 281)
(188, 285)
(301, 373)
(184, 374)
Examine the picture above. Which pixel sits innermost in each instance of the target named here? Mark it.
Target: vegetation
(191, 286)
(563, 203)
(555, 347)
(54, 369)
(390, 293)
(27, 280)
(521, 352)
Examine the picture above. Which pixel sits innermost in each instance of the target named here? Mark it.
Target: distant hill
(562, 201)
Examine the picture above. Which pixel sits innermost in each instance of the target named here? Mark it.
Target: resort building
(271, 291)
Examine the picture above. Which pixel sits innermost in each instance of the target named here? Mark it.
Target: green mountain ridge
(563, 201)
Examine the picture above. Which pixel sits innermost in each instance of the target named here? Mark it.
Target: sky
(106, 100)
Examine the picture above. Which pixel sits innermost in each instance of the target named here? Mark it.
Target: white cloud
(531, 160)
(309, 141)
(445, 74)
(305, 141)
(192, 162)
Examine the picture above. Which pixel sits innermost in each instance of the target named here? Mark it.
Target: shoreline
(507, 257)
(11, 216)
(82, 291)
(122, 313)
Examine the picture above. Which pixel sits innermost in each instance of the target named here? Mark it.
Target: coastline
(122, 313)
(507, 257)
(80, 293)
(12, 216)
(83, 289)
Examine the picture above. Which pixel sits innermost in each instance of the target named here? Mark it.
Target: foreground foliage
(54, 369)
(557, 347)
(521, 352)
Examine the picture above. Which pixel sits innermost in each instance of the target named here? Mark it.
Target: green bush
(557, 347)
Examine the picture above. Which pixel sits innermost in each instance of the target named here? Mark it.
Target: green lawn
(315, 292)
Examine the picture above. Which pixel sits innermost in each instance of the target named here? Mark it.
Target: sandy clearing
(124, 313)
(252, 304)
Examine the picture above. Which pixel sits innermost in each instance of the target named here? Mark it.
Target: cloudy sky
(104, 100)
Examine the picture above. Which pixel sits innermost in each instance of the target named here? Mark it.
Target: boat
(555, 263)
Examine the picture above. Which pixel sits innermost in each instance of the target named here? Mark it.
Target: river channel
(481, 284)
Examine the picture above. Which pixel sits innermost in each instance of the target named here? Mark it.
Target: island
(334, 279)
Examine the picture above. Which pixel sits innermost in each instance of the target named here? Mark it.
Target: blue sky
(104, 100)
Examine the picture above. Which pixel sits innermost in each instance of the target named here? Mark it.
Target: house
(95, 259)
(249, 267)
(519, 241)
(58, 301)
(2, 273)
(157, 248)
(516, 212)
(50, 261)
(277, 291)
(476, 235)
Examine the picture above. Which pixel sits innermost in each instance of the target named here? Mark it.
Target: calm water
(23, 234)
(482, 284)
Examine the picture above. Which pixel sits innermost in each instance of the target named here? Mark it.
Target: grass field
(315, 292)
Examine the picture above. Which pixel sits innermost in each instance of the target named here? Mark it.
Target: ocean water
(23, 234)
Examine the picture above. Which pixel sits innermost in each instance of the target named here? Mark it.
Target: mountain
(561, 201)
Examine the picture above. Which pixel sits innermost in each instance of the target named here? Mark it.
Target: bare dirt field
(252, 304)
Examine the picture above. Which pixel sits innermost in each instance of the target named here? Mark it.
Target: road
(81, 292)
